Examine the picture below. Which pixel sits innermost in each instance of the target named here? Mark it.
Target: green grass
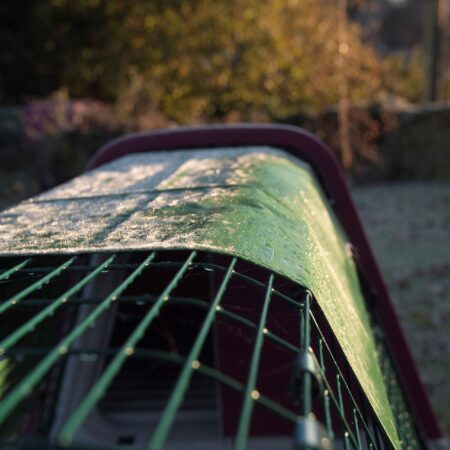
(408, 225)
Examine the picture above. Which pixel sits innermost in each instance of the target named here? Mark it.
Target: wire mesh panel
(177, 350)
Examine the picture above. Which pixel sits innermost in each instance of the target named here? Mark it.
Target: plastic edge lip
(303, 145)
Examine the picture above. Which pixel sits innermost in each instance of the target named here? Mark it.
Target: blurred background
(369, 77)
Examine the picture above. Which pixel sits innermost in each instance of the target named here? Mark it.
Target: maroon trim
(307, 147)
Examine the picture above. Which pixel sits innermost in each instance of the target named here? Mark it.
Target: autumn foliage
(190, 60)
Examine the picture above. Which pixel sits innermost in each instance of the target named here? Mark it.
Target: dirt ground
(409, 228)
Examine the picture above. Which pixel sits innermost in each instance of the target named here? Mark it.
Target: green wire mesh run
(151, 341)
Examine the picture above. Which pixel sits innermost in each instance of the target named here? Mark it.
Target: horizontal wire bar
(30, 381)
(100, 386)
(167, 417)
(217, 375)
(263, 400)
(37, 285)
(249, 395)
(158, 264)
(126, 266)
(204, 369)
(270, 334)
(50, 309)
(181, 301)
(141, 299)
(81, 268)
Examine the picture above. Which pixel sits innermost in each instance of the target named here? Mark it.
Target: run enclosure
(217, 293)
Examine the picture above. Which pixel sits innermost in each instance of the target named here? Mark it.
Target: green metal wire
(305, 345)
(182, 301)
(358, 436)
(263, 400)
(306, 342)
(220, 377)
(340, 398)
(160, 434)
(333, 400)
(326, 396)
(251, 394)
(346, 441)
(166, 264)
(37, 285)
(5, 275)
(338, 401)
(249, 324)
(51, 308)
(113, 368)
(30, 381)
(224, 379)
(165, 422)
(203, 368)
(339, 408)
(326, 399)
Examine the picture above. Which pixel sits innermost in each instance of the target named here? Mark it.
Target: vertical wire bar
(307, 381)
(349, 385)
(51, 308)
(99, 388)
(302, 325)
(341, 403)
(326, 399)
(251, 394)
(29, 382)
(321, 357)
(13, 270)
(342, 410)
(326, 396)
(330, 353)
(356, 410)
(358, 437)
(346, 441)
(302, 377)
(339, 409)
(307, 333)
(38, 284)
(165, 422)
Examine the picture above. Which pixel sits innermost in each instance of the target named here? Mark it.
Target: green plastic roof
(256, 203)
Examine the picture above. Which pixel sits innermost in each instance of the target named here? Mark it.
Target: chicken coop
(202, 288)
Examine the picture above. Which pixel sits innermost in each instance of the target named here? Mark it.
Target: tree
(196, 58)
